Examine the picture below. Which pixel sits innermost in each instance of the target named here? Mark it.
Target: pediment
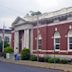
(18, 21)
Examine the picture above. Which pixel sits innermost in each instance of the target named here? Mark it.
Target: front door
(21, 32)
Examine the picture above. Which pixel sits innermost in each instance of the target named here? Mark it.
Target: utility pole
(3, 38)
(54, 57)
(37, 37)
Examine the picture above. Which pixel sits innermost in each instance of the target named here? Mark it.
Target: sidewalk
(64, 67)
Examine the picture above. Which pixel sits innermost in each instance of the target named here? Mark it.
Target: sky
(10, 9)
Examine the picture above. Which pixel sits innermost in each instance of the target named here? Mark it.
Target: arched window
(70, 40)
(39, 41)
(56, 41)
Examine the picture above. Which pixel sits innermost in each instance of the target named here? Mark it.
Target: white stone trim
(63, 50)
(52, 24)
(62, 11)
(49, 50)
(69, 50)
(31, 48)
(70, 27)
(61, 22)
(43, 50)
(56, 35)
(56, 29)
(16, 42)
(26, 38)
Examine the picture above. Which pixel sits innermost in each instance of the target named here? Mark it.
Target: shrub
(8, 50)
(57, 60)
(46, 58)
(63, 61)
(54, 60)
(41, 59)
(25, 54)
(51, 60)
(33, 58)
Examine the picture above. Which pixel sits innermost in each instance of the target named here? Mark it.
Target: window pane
(70, 39)
(6, 39)
(39, 44)
(70, 45)
(57, 47)
(39, 47)
(56, 40)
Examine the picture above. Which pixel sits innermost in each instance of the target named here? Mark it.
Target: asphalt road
(7, 67)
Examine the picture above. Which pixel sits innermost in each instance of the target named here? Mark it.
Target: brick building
(6, 35)
(54, 33)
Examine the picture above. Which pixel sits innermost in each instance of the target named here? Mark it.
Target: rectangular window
(57, 44)
(40, 44)
(70, 42)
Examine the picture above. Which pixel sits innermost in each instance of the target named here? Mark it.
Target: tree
(6, 44)
(35, 13)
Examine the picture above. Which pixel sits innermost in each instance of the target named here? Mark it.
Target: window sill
(56, 50)
(70, 50)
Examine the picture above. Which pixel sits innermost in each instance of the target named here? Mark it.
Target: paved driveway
(6, 67)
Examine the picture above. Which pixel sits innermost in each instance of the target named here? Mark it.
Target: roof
(29, 19)
(8, 31)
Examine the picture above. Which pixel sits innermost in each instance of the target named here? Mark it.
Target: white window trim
(38, 44)
(39, 38)
(57, 35)
(55, 44)
(68, 44)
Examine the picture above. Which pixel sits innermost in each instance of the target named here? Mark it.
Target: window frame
(56, 36)
(69, 43)
(39, 45)
(56, 44)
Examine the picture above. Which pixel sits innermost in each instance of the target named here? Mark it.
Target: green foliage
(8, 50)
(33, 58)
(51, 60)
(6, 44)
(35, 13)
(41, 59)
(63, 61)
(57, 60)
(46, 58)
(0, 46)
(25, 54)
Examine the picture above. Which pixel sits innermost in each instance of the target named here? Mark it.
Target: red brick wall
(12, 39)
(47, 37)
(44, 38)
(63, 30)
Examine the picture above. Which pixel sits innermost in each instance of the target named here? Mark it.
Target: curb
(62, 67)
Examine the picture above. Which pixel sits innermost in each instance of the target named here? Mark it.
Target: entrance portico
(22, 36)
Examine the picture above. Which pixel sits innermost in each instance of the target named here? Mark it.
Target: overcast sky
(10, 9)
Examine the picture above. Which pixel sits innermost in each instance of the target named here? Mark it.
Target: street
(7, 67)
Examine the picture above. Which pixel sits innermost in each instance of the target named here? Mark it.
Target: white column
(16, 42)
(31, 42)
(26, 38)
